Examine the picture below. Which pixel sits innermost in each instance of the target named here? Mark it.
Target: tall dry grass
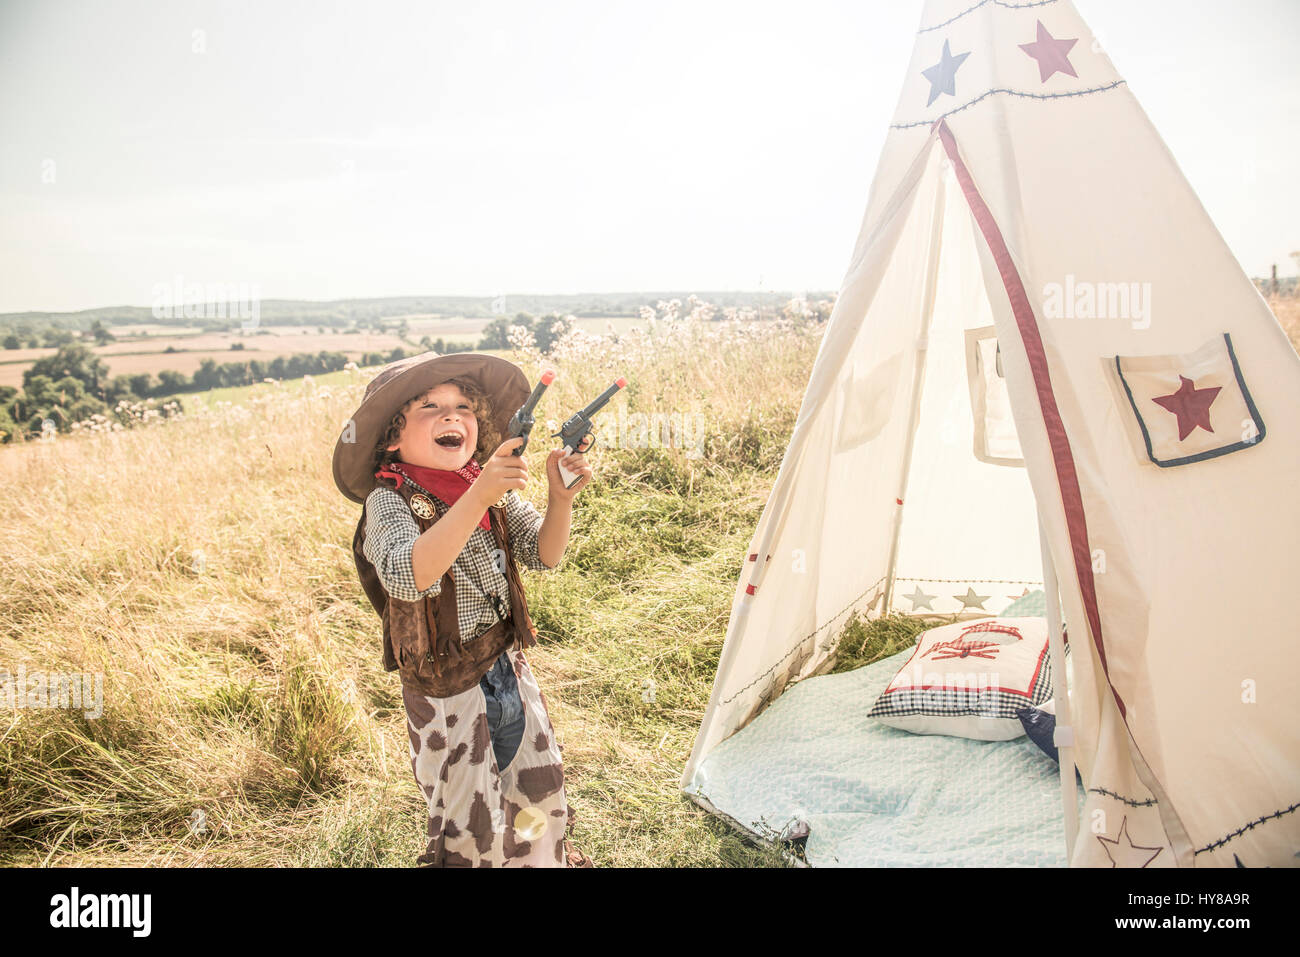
(1287, 310)
(203, 566)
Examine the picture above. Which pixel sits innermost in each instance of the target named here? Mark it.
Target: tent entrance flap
(918, 377)
(967, 538)
(825, 532)
(880, 489)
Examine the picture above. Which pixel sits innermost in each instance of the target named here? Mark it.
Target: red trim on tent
(1067, 476)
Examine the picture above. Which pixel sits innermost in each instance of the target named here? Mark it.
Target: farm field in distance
(143, 348)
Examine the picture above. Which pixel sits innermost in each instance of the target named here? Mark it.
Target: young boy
(437, 549)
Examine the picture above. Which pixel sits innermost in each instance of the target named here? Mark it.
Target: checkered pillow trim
(939, 701)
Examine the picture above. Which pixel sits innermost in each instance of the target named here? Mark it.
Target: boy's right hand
(504, 471)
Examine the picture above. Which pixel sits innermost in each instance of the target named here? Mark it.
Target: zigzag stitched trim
(797, 644)
(1149, 802)
(1027, 96)
(963, 581)
(1242, 830)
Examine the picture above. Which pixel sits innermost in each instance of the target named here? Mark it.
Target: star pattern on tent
(971, 600)
(920, 599)
(1123, 852)
(943, 75)
(1191, 405)
(1052, 54)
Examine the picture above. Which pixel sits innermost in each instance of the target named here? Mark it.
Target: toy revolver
(522, 423)
(577, 429)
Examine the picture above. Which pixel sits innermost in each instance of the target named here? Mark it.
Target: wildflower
(521, 339)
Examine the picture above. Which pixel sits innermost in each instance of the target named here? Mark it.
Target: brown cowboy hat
(501, 381)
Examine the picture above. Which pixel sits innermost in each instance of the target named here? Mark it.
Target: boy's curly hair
(479, 403)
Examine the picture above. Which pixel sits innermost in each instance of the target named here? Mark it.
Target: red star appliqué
(1191, 405)
(1052, 54)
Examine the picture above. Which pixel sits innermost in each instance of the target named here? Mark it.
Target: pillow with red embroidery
(970, 679)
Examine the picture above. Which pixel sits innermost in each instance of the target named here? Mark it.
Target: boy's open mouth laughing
(452, 439)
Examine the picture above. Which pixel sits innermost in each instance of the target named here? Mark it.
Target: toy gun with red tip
(522, 423)
(577, 429)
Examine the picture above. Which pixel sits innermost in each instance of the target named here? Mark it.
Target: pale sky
(376, 148)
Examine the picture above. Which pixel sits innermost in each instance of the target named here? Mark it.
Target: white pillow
(969, 679)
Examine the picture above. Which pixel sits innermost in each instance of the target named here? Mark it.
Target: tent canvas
(1045, 349)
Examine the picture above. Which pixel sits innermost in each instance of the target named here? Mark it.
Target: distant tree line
(53, 329)
(442, 347)
(73, 384)
(51, 337)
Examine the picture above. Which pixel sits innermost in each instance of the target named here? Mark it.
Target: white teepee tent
(1042, 338)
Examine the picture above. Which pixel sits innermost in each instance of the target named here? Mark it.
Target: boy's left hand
(576, 463)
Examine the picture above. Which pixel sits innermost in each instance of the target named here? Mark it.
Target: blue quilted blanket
(874, 796)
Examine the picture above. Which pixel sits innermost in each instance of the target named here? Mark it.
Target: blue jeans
(505, 709)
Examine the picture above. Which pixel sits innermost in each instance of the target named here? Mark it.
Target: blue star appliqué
(943, 75)
(920, 599)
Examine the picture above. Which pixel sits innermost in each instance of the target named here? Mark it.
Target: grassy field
(247, 718)
(203, 566)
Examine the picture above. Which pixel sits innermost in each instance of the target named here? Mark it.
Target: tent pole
(918, 378)
(1060, 686)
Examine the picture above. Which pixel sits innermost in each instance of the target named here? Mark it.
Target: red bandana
(449, 486)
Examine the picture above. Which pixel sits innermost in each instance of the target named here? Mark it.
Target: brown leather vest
(422, 639)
